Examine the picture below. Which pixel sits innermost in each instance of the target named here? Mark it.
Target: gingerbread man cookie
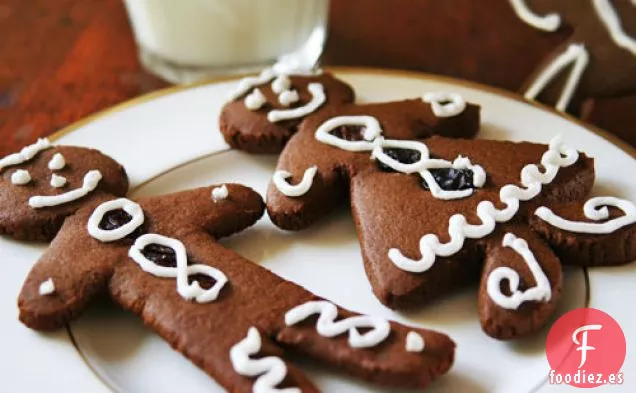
(597, 60)
(158, 258)
(43, 184)
(433, 214)
(264, 111)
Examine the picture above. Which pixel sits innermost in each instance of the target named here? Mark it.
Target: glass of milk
(186, 40)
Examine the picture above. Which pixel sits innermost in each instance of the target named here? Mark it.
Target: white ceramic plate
(170, 141)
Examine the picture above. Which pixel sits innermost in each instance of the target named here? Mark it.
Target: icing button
(414, 342)
(46, 287)
(220, 193)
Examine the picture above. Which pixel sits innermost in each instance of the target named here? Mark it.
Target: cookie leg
(521, 283)
(207, 331)
(405, 357)
(256, 297)
(65, 279)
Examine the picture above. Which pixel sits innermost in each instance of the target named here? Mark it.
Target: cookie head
(265, 111)
(43, 184)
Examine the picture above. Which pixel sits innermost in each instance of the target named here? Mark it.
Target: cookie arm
(73, 271)
(181, 214)
(507, 309)
(614, 247)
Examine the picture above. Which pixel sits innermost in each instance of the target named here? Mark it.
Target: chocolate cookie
(265, 111)
(43, 184)
(433, 214)
(158, 258)
(598, 59)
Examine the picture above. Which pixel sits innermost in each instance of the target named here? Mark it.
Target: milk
(224, 33)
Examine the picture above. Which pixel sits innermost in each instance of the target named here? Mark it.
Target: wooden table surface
(61, 60)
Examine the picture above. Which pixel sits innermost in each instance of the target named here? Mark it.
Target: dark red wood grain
(65, 59)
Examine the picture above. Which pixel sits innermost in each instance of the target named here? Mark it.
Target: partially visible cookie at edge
(265, 111)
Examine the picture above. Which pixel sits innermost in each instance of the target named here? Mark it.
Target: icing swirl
(270, 370)
(542, 291)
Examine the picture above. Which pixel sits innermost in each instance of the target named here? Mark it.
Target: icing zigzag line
(328, 327)
(558, 155)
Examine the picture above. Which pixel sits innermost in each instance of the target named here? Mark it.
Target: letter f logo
(583, 344)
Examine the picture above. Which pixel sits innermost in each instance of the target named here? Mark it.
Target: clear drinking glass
(186, 40)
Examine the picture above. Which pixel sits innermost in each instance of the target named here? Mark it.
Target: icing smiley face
(436, 213)
(60, 180)
(265, 110)
(158, 258)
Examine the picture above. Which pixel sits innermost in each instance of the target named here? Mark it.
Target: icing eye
(205, 281)
(451, 179)
(115, 220)
(166, 256)
(404, 156)
(161, 255)
(349, 132)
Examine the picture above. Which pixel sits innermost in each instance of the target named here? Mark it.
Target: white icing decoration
(270, 370)
(249, 83)
(594, 209)
(372, 130)
(459, 229)
(575, 53)
(288, 97)
(26, 154)
(91, 180)
(541, 292)
(299, 189)
(20, 177)
(453, 107)
(220, 193)
(255, 100)
(327, 326)
(181, 272)
(130, 207)
(414, 342)
(281, 83)
(58, 181)
(46, 287)
(318, 98)
(550, 22)
(57, 162)
(374, 142)
(610, 19)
